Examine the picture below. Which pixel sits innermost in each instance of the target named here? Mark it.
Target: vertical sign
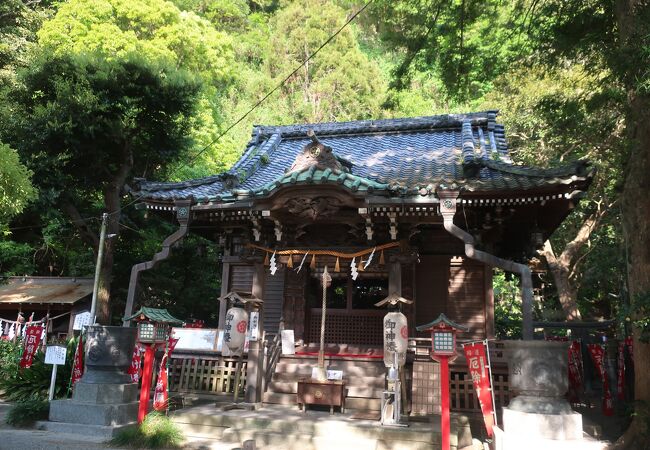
(55, 355)
(477, 362)
(32, 339)
(254, 326)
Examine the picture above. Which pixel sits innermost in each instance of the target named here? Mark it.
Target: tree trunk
(567, 293)
(636, 214)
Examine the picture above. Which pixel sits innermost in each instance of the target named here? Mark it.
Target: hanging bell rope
(327, 252)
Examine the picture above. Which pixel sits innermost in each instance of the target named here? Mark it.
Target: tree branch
(81, 224)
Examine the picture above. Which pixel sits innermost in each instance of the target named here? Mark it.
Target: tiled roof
(394, 157)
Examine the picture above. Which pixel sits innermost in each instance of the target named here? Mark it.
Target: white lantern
(396, 334)
(234, 334)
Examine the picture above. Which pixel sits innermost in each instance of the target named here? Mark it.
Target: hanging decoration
(353, 269)
(312, 265)
(272, 263)
(369, 260)
(382, 260)
(337, 266)
(266, 259)
(290, 262)
(360, 266)
(136, 363)
(302, 262)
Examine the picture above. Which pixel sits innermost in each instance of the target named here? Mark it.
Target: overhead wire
(241, 118)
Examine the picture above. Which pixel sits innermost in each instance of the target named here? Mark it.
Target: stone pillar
(255, 364)
(105, 399)
(540, 416)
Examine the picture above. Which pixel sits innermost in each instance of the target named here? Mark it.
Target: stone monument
(539, 417)
(105, 399)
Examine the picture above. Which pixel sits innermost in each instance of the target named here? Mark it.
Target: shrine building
(421, 207)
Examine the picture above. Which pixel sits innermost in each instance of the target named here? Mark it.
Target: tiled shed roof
(392, 157)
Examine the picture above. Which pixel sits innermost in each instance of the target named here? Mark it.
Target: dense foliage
(155, 431)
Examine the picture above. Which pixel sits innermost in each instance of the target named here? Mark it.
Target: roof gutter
(448, 201)
(183, 214)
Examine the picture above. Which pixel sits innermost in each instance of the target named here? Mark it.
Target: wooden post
(254, 366)
(145, 387)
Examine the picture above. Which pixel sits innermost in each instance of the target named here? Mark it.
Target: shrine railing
(205, 374)
(272, 354)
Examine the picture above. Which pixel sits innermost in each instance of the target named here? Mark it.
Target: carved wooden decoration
(314, 207)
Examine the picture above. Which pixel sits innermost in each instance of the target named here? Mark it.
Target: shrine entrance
(351, 316)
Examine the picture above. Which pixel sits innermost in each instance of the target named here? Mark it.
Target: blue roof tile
(469, 150)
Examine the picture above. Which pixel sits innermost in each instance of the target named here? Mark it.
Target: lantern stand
(154, 327)
(395, 347)
(234, 336)
(443, 350)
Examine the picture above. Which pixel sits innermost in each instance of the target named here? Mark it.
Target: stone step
(99, 431)
(69, 411)
(353, 403)
(284, 387)
(202, 431)
(344, 440)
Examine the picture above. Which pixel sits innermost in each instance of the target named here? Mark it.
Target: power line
(238, 121)
(278, 86)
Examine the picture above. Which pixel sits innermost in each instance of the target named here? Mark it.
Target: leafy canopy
(16, 189)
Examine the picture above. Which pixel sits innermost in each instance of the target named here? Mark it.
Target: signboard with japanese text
(477, 363)
(288, 342)
(254, 326)
(55, 354)
(203, 339)
(32, 340)
(81, 320)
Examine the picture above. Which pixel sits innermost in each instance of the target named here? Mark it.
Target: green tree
(161, 33)
(87, 125)
(16, 188)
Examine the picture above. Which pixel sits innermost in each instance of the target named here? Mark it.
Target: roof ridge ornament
(319, 156)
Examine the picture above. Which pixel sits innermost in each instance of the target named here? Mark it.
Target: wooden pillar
(225, 288)
(255, 365)
(395, 278)
(489, 303)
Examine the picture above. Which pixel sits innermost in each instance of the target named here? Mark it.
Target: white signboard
(288, 342)
(253, 326)
(55, 354)
(81, 320)
(331, 374)
(204, 339)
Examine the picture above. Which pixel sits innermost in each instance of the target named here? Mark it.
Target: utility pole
(98, 267)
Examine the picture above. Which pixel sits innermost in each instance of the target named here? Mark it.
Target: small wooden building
(443, 189)
(58, 298)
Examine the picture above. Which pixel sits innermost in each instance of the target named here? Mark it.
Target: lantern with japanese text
(236, 325)
(396, 331)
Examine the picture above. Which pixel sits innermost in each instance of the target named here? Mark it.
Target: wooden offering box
(314, 392)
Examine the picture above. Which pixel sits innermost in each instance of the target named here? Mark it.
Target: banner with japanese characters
(478, 365)
(136, 363)
(161, 395)
(575, 371)
(32, 339)
(621, 371)
(78, 364)
(597, 353)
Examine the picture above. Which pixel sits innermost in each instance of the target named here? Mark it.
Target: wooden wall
(241, 279)
(455, 286)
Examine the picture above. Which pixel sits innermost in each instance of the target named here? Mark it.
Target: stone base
(98, 431)
(543, 426)
(93, 414)
(511, 441)
(105, 393)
